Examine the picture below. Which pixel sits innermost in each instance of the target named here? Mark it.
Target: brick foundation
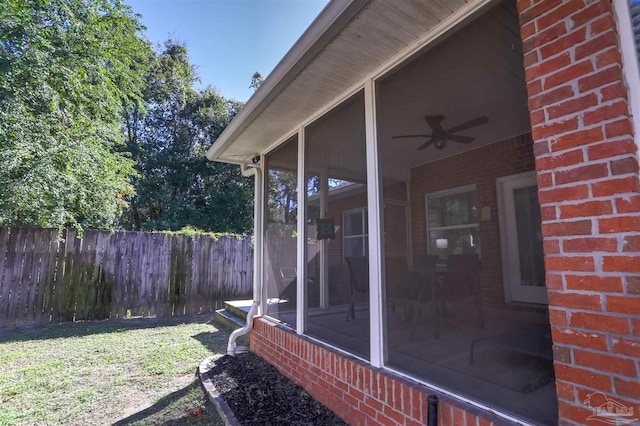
(358, 393)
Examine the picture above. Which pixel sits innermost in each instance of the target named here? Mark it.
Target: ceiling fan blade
(460, 138)
(434, 121)
(410, 136)
(469, 124)
(425, 145)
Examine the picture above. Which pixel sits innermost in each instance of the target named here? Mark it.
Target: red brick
(583, 377)
(572, 73)
(630, 389)
(546, 130)
(592, 11)
(624, 304)
(631, 244)
(533, 87)
(596, 44)
(599, 322)
(554, 281)
(579, 338)
(548, 213)
(578, 174)
(606, 363)
(548, 66)
(629, 347)
(575, 139)
(599, 79)
(619, 224)
(615, 186)
(527, 30)
(594, 283)
(602, 24)
(563, 43)
(565, 391)
(635, 324)
(633, 284)
(559, 13)
(550, 97)
(621, 263)
(557, 317)
(611, 56)
(572, 106)
(606, 112)
(581, 227)
(551, 246)
(570, 193)
(619, 128)
(575, 300)
(561, 354)
(544, 37)
(396, 416)
(624, 165)
(539, 9)
(613, 91)
(537, 117)
(559, 160)
(545, 180)
(611, 149)
(589, 245)
(589, 208)
(628, 204)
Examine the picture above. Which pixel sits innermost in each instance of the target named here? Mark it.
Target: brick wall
(590, 199)
(352, 389)
(482, 167)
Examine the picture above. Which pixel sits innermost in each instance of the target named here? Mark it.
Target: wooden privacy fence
(44, 278)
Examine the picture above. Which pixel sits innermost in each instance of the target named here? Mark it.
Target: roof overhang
(348, 42)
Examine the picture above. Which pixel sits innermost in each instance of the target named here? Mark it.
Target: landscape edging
(218, 401)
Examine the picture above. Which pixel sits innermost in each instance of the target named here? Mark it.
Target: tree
(177, 186)
(256, 81)
(67, 69)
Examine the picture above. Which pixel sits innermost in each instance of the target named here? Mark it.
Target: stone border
(221, 405)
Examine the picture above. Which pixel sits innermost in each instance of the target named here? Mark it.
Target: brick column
(587, 167)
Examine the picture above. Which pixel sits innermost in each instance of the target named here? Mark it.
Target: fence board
(50, 276)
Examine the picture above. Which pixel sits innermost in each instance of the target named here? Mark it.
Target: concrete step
(228, 319)
(239, 308)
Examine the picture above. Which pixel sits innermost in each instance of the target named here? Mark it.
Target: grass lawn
(136, 371)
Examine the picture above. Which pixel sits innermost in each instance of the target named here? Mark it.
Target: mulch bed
(259, 395)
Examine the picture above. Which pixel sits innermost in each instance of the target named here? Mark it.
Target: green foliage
(256, 81)
(66, 69)
(177, 186)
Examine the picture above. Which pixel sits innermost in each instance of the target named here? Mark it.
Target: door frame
(508, 239)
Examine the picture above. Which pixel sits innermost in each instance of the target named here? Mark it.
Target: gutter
(255, 171)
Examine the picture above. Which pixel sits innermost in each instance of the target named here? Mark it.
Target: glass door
(521, 237)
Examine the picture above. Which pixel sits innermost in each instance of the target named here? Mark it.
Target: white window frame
(444, 193)
(364, 235)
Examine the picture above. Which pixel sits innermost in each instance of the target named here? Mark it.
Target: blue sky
(228, 40)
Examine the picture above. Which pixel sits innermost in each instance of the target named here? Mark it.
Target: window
(354, 234)
(452, 222)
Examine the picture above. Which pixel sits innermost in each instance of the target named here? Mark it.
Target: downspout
(253, 169)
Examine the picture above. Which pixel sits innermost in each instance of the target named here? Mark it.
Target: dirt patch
(258, 394)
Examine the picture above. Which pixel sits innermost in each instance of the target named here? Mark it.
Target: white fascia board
(333, 18)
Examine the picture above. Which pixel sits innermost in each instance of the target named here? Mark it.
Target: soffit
(379, 31)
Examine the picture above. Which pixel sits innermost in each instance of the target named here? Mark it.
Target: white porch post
(376, 249)
(301, 260)
(258, 226)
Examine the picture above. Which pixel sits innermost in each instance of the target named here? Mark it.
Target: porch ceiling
(347, 42)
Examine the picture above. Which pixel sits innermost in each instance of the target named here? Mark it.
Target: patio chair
(462, 280)
(358, 279)
(425, 270)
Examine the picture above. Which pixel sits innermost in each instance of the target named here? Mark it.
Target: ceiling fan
(440, 136)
